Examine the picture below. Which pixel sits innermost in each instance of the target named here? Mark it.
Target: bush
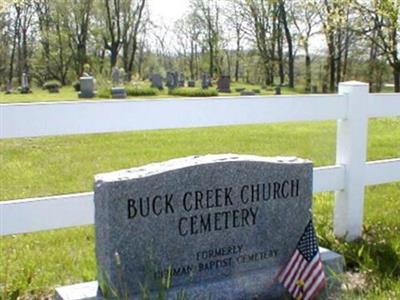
(140, 91)
(104, 93)
(239, 89)
(52, 84)
(257, 91)
(77, 86)
(193, 92)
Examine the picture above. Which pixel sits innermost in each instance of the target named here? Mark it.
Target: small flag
(304, 275)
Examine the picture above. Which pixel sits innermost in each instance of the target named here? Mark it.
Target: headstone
(123, 76)
(181, 80)
(115, 76)
(156, 81)
(247, 93)
(224, 84)
(25, 84)
(86, 87)
(172, 80)
(54, 89)
(324, 88)
(205, 81)
(191, 83)
(9, 88)
(118, 93)
(278, 90)
(215, 227)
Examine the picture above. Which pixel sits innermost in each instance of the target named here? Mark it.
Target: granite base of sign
(118, 93)
(333, 266)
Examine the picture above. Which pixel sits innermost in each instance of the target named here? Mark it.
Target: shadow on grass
(374, 253)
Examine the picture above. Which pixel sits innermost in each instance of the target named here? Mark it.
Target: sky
(167, 11)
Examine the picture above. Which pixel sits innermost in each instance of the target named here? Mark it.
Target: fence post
(351, 152)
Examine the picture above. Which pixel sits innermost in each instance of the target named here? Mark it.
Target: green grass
(31, 265)
(67, 93)
(193, 92)
(134, 91)
(40, 95)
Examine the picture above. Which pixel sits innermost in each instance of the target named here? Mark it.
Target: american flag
(304, 275)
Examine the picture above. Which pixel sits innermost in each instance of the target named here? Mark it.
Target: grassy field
(31, 265)
(67, 93)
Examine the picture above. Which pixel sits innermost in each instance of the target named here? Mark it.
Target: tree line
(269, 42)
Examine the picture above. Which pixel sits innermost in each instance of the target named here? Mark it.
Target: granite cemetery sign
(218, 226)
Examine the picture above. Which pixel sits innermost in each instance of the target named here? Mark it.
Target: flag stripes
(304, 275)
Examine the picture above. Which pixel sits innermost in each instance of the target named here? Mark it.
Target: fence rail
(351, 108)
(85, 117)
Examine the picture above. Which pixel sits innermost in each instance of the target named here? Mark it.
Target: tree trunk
(81, 56)
(140, 59)
(237, 62)
(102, 56)
(396, 77)
(237, 69)
(191, 60)
(25, 49)
(308, 68)
(280, 59)
(289, 43)
(196, 61)
(14, 46)
(114, 55)
(346, 54)
(338, 58)
(211, 58)
(332, 67)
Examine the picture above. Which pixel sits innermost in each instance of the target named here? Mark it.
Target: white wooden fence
(351, 107)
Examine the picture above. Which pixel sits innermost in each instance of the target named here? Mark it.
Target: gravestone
(210, 227)
(118, 93)
(224, 84)
(324, 88)
(156, 81)
(25, 84)
(123, 76)
(9, 88)
(172, 80)
(86, 87)
(115, 76)
(181, 80)
(205, 81)
(247, 93)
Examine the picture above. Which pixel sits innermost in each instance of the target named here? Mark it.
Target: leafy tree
(381, 24)
(207, 13)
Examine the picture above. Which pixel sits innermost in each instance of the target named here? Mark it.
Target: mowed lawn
(67, 93)
(32, 265)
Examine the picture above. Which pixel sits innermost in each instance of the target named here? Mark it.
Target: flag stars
(304, 275)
